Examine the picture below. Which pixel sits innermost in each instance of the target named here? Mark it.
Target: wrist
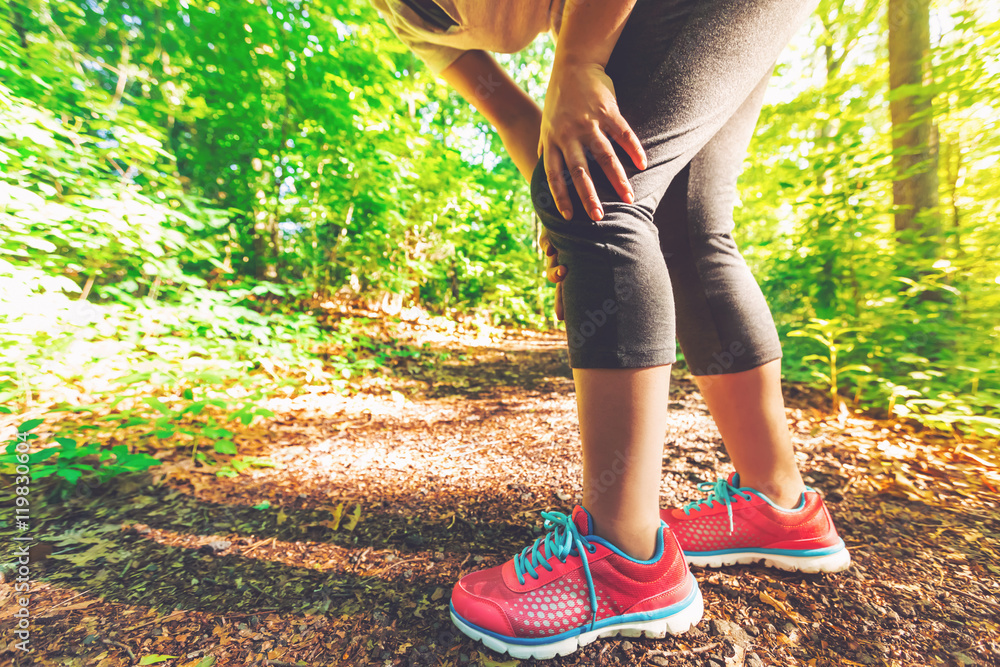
(576, 59)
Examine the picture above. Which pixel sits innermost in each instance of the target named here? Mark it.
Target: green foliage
(829, 335)
(917, 327)
(71, 460)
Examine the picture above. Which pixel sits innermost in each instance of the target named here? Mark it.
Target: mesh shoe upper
(754, 522)
(559, 600)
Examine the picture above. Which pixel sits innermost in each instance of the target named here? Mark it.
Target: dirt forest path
(345, 552)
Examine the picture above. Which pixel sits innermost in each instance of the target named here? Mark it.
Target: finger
(554, 271)
(551, 258)
(622, 133)
(545, 243)
(576, 161)
(554, 169)
(604, 154)
(560, 311)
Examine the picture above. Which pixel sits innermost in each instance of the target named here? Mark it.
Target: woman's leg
(750, 412)
(723, 323)
(623, 418)
(763, 511)
(681, 69)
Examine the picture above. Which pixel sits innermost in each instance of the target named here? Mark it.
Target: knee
(542, 198)
(624, 226)
(716, 248)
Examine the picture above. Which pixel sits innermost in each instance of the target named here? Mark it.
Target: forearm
(478, 78)
(590, 29)
(520, 138)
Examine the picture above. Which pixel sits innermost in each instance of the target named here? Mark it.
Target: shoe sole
(838, 561)
(674, 624)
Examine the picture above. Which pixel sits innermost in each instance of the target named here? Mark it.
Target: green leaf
(225, 447)
(71, 475)
(263, 506)
(154, 658)
(29, 425)
(157, 404)
(338, 514)
(485, 661)
(352, 520)
(139, 461)
(195, 408)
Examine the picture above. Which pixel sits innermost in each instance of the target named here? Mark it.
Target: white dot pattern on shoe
(556, 607)
(710, 533)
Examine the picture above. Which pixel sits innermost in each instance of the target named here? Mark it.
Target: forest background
(204, 204)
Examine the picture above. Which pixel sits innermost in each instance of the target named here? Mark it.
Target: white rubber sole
(677, 623)
(835, 562)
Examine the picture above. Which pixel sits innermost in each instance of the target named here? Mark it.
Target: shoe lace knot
(562, 541)
(720, 491)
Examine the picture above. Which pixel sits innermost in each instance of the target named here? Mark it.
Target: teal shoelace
(562, 541)
(719, 491)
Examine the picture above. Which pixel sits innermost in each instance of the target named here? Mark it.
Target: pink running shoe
(571, 587)
(741, 525)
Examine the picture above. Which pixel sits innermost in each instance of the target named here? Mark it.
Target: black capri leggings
(689, 77)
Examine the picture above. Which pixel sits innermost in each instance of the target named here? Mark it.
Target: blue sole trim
(801, 553)
(614, 620)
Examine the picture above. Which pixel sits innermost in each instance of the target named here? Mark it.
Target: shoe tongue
(582, 520)
(734, 479)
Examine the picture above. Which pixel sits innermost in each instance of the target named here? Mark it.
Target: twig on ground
(971, 596)
(119, 645)
(683, 654)
(45, 611)
(312, 655)
(228, 615)
(403, 562)
(156, 620)
(257, 544)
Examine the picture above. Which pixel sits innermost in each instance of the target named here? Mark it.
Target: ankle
(783, 493)
(637, 541)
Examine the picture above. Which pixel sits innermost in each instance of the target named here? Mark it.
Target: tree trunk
(915, 190)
